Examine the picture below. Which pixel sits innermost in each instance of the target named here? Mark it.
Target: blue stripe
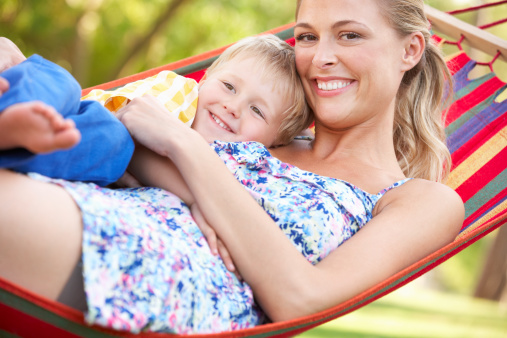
(470, 123)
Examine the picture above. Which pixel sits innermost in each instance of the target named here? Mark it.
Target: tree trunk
(143, 41)
(493, 281)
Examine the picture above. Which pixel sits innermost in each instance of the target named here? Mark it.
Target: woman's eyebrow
(337, 24)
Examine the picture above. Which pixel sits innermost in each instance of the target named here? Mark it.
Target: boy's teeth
(220, 123)
(332, 85)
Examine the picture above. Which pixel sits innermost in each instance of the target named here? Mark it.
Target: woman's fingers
(128, 181)
(226, 257)
(207, 231)
(215, 244)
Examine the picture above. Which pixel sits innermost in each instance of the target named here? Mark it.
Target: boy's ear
(413, 51)
(203, 79)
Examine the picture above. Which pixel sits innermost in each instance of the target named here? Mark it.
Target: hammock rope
(459, 42)
(476, 8)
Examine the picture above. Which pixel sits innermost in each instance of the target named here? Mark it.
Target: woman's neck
(363, 156)
(362, 144)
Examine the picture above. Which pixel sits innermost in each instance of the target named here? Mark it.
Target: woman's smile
(332, 86)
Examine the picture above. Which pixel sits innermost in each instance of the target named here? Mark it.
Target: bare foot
(10, 55)
(37, 127)
(4, 85)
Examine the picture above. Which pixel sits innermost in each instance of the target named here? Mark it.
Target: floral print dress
(147, 266)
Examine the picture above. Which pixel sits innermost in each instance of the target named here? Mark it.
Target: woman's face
(350, 61)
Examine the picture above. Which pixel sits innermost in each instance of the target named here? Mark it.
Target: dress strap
(394, 185)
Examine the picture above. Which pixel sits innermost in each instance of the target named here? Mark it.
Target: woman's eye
(349, 36)
(305, 37)
(230, 87)
(257, 111)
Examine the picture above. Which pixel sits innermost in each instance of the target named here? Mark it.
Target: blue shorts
(105, 148)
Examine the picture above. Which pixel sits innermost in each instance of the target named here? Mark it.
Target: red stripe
(484, 208)
(472, 99)
(457, 62)
(26, 326)
(197, 76)
(475, 142)
(483, 176)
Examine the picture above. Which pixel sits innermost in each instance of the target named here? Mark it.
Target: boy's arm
(151, 169)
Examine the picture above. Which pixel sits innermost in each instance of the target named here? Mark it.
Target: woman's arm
(412, 221)
(153, 170)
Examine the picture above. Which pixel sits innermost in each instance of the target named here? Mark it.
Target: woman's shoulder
(426, 192)
(419, 197)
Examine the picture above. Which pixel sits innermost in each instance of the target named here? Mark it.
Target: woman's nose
(325, 56)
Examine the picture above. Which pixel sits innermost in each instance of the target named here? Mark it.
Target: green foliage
(94, 39)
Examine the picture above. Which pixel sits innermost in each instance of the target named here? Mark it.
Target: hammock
(477, 133)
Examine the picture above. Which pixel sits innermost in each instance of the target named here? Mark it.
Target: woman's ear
(413, 51)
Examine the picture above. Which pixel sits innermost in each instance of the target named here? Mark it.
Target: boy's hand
(10, 55)
(215, 244)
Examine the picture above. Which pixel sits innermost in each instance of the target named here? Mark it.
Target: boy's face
(236, 104)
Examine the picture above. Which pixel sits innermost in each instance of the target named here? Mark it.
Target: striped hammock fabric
(477, 134)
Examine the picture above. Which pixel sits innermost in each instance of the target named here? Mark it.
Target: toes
(4, 85)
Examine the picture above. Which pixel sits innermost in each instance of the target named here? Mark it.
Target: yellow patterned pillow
(177, 93)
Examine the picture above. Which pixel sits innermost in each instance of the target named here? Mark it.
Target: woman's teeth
(220, 123)
(332, 85)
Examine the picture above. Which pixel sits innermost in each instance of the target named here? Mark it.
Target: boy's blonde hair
(278, 61)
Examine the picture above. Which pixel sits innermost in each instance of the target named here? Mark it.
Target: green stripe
(195, 67)
(473, 85)
(286, 34)
(47, 316)
(471, 113)
(485, 194)
(5, 334)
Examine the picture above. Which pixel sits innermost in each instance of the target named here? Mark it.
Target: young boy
(250, 93)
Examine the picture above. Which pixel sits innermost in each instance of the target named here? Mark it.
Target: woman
(374, 83)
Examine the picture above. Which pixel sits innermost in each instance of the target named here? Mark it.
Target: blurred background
(102, 40)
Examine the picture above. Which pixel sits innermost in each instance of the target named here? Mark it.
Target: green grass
(414, 312)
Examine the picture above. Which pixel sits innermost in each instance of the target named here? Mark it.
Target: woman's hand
(215, 244)
(10, 55)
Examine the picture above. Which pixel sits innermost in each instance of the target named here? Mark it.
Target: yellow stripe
(484, 219)
(477, 160)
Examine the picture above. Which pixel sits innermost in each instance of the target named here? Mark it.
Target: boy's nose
(232, 109)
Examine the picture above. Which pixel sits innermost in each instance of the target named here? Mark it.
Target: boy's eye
(230, 87)
(257, 111)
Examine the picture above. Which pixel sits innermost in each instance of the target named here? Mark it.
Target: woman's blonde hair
(277, 62)
(418, 131)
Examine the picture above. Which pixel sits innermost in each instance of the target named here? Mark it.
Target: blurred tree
(100, 40)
